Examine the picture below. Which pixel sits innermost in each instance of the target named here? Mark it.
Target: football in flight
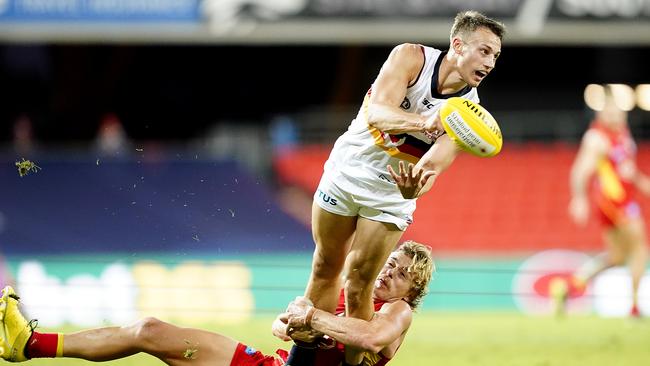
(471, 126)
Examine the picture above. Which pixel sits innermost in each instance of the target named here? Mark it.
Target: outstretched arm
(415, 180)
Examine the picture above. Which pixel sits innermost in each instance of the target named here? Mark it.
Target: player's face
(478, 53)
(611, 115)
(394, 280)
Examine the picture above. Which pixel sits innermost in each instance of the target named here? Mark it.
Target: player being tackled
(16, 330)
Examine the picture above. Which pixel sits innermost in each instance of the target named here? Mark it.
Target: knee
(360, 272)
(146, 330)
(617, 259)
(327, 266)
(357, 289)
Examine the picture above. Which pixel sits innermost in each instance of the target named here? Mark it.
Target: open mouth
(480, 74)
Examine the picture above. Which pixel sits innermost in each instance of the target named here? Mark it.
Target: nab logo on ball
(471, 126)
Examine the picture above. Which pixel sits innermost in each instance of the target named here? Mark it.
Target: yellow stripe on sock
(59, 345)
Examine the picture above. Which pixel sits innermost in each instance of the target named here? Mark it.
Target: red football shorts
(612, 213)
(248, 356)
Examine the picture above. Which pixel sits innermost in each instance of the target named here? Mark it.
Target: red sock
(44, 345)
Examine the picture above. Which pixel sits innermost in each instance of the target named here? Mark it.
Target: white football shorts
(331, 198)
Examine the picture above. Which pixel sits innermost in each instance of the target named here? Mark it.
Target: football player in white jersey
(390, 155)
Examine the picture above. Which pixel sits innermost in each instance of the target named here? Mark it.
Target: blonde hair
(469, 21)
(421, 269)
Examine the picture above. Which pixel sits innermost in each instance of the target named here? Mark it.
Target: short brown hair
(421, 270)
(470, 20)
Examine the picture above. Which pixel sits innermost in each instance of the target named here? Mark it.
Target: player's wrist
(310, 316)
(424, 123)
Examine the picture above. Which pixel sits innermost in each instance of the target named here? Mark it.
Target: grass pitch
(464, 339)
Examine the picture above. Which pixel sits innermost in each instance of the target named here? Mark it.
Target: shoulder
(596, 140)
(406, 59)
(408, 53)
(396, 308)
(412, 49)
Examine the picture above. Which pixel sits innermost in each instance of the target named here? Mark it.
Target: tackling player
(390, 155)
(398, 290)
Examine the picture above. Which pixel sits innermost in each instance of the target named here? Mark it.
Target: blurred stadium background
(180, 142)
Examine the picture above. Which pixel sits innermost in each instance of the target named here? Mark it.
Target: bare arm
(383, 330)
(415, 180)
(592, 148)
(642, 183)
(389, 89)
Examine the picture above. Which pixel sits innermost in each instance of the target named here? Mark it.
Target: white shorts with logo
(371, 205)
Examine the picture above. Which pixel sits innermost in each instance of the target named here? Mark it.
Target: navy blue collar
(434, 82)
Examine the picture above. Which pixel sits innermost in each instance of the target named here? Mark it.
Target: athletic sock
(44, 345)
(301, 356)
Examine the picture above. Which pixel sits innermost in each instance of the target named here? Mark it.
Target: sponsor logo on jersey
(427, 103)
(250, 350)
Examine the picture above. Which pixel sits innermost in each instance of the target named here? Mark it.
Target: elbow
(372, 347)
(370, 343)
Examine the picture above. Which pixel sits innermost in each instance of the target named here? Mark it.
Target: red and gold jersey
(360, 156)
(616, 170)
(613, 184)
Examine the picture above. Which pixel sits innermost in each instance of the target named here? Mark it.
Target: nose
(490, 62)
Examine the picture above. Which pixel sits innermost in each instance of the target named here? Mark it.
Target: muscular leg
(637, 249)
(372, 244)
(332, 234)
(171, 344)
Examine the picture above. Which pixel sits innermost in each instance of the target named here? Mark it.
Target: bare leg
(614, 256)
(332, 234)
(171, 344)
(372, 244)
(637, 248)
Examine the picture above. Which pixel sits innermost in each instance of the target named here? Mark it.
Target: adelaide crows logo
(406, 103)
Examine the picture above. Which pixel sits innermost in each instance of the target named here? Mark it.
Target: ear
(457, 45)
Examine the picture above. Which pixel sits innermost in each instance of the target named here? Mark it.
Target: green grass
(459, 339)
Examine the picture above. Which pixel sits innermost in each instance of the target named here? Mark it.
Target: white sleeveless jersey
(359, 157)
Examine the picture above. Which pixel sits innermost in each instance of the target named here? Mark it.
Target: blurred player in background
(608, 154)
(390, 155)
(399, 288)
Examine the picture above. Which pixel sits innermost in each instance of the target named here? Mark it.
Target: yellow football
(471, 126)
